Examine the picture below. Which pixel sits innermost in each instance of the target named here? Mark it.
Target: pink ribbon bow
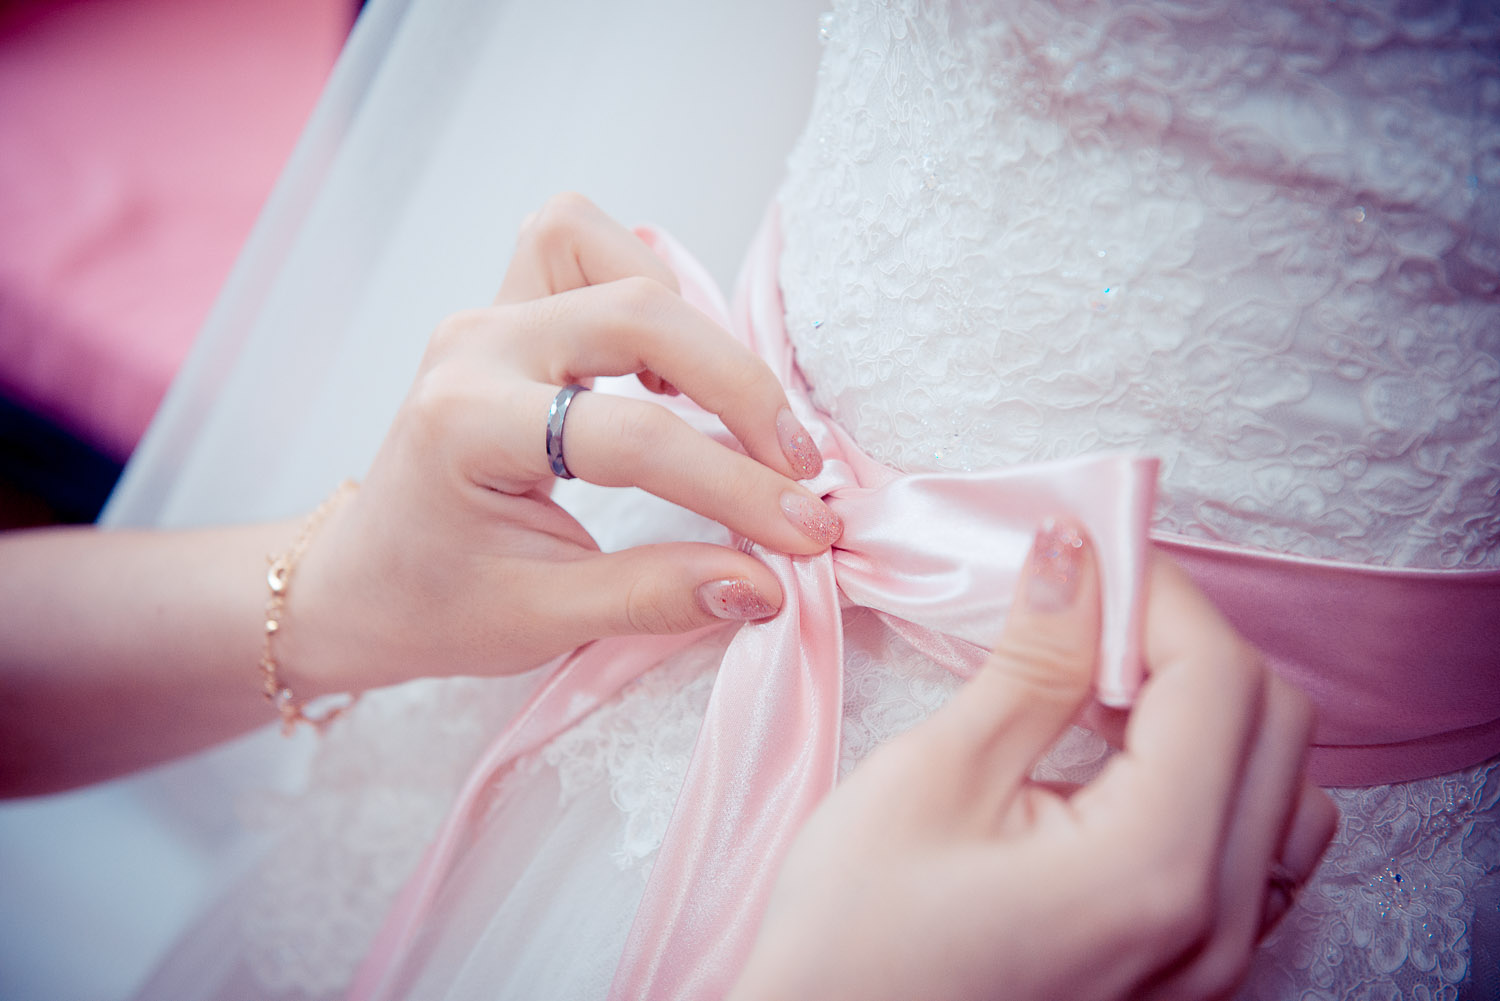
(937, 557)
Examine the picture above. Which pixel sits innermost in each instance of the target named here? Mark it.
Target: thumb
(669, 588)
(1042, 669)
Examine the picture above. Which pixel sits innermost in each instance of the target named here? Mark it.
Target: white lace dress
(1261, 241)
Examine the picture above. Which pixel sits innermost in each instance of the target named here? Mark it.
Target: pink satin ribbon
(937, 555)
(1402, 665)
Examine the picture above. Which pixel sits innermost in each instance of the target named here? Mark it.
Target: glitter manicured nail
(812, 518)
(797, 445)
(733, 598)
(1052, 572)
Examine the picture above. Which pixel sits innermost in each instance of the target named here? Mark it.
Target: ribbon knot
(935, 555)
(938, 556)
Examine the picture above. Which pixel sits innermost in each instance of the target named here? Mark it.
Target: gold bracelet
(279, 578)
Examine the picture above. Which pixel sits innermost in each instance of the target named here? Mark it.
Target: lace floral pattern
(1389, 913)
(1026, 230)
(641, 745)
(888, 687)
(347, 843)
(1261, 241)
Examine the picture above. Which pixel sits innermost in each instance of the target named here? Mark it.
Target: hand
(452, 559)
(939, 869)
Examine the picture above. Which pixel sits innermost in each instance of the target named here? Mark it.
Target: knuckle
(636, 437)
(570, 204)
(453, 333)
(754, 380)
(650, 608)
(554, 228)
(643, 433)
(1053, 665)
(642, 302)
(564, 213)
(439, 398)
(540, 319)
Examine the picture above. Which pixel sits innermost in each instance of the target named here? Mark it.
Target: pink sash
(937, 557)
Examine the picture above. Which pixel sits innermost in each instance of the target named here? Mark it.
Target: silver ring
(555, 417)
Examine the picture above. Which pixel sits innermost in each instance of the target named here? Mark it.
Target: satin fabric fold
(939, 551)
(937, 556)
(1402, 665)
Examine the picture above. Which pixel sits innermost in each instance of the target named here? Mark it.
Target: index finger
(570, 243)
(637, 324)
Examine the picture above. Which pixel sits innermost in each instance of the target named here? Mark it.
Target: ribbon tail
(766, 756)
(579, 684)
(959, 657)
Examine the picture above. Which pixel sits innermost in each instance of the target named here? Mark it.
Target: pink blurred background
(138, 141)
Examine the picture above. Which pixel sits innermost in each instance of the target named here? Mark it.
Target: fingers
(570, 243)
(1269, 794)
(1208, 791)
(1314, 822)
(637, 325)
(1249, 872)
(1189, 736)
(1041, 671)
(1313, 826)
(666, 588)
(641, 326)
(492, 375)
(585, 297)
(614, 442)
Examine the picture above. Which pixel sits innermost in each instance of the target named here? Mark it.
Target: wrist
(292, 671)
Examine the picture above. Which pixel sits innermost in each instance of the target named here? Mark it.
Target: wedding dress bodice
(1261, 241)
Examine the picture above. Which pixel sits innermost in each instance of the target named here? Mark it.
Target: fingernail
(813, 518)
(733, 598)
(797, 445)
(1052, 571)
